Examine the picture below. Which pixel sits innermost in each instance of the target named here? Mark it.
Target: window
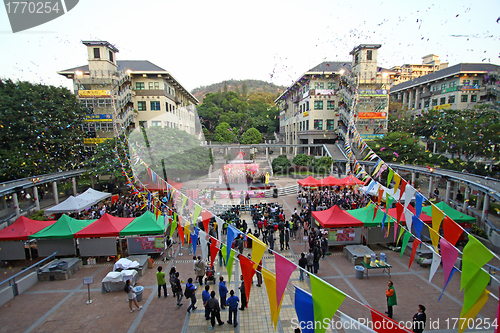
(473, 98)
(330, 124)
(143, 124)
(155, 123)
(419, 105)
(331, 85)
(318, 124)
(110, 56)
(442, 101)
(155, 106)
(369, 55)
(97, 53)
(307, 125)
(141, 105)
(319, 85)
(475, 82)
(318, 105)
(150, 85)
(157, 85)
(139, 86)
(330, 105)
(453, 84)
(443, 86)
(464, 98)
(300, 127)
(466, 82)
(451, 99)
(434, 102)
(426, 103)
(307, 106)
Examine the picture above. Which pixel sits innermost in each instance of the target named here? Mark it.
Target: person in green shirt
(160, 278)
(391, 298)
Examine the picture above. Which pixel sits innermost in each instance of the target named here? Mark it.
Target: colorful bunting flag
(194, 240)
(417, 226)
(406, 238)
(474, 310)
(474, 289)
(436, 261)
(248, 272)
(451, 230)
(258, 249)
(304, 309)
(414, 247)
(213, 250)
(270, 282)
(284, 269)
(326, 300)
(203, 244)
(449, 255)
(474, 257)
(453, 270)
(197, 211)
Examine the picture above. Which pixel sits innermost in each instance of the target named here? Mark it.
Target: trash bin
(360, 270)
(275, 193)
(138, 293)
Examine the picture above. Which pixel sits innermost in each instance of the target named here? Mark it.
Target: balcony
(149, 92)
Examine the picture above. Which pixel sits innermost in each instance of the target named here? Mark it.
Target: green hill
(243, 87)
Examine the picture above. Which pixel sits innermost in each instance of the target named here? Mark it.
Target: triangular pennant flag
(173, 226)
(229, 262)
(419, 200)
(449, 255)
(187, 232)
(351, 325)
(248, 272)
(399, 211)
(258, 249)
(475, 256)
(473, 312)
(220, 223)
(203, 244)
(197, 211)
(453, 270)
(213, 251)
(191, 202)
(184, 199)
(389, 177)
(434, 238)
(396, 224)
(417, 225)
(474, 289)
(401, 232)
(388, 201)
(270, 282)
(406, 238)
(436, 260)
(284, 269)
(409, 219)
(382, 324)
(180, 230)
(304, 309)
(451, 230)
(414, 247)
(326, 301)
(397, 179)
(380, 194)
(409, 194)
(403, 188)
(194, 239)
(206, 216)
(231, 235)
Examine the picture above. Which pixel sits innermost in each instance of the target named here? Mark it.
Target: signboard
(372, 136)
(324, 91)
(372, 115)
(94, 93)
(373, 93)
(88, 280)
(442, 106)
(470, 87)
(306, 113)
(145, 244)
(98, 117)
(447, 90)
(94, 141)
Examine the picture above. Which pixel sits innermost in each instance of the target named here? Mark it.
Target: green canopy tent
(146, 224)
(453, 214)
(365, 215)
(65, 227)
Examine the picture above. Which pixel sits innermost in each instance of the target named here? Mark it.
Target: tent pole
(121, 247)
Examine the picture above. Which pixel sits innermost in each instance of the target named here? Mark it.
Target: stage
(239, 186)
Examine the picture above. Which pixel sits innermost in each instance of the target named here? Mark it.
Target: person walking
(391, 298)
(302, 264)
(190, 293)
(200, 268)
(287, 239)
(232, 302)
(419, 319)
(213, 305)
(271, 242)
(259, 274)
(205, 296)
(317, 257)
(160, 279)
(243, 295)
(222, 292)
(177, 289)
(282, 240)
(131, 296)
(324, 247)
(310, 261)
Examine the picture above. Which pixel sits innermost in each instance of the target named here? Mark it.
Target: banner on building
(98, 118)
(372, 115)
(94, 93)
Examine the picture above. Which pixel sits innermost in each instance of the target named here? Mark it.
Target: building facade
(365, 90)
(406, 72)
(143, 93)
(309, 108)
(461, 86)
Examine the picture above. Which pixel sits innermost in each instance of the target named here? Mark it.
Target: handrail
(28, 268)
(492, 227)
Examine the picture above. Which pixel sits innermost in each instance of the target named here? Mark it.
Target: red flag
(380, 194)
(180, 230)
(248, 272)
(205, 215)
(416, 243)
(403, 188)
(382, 324)
(452, 231)
(213, 250)
(399, 211)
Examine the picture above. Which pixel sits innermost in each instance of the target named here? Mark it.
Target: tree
(281, 164)
(244, 90)
(224, 133)
(40, 130)
(104, 160)
(251, 136)
(302, 160)
(322, 165)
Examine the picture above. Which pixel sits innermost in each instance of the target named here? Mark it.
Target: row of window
(98, 126)
(454, 84)
(318, 105)
(318, 124)
(154, 106)
(321, 85)
(451, 100)
(153, 86)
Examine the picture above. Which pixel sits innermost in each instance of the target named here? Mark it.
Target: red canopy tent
(22, 228)
(329, 181)
(336, 218)
(348, 181)
(161, 186)
(309, 181)
(424, 217)
(106, 226)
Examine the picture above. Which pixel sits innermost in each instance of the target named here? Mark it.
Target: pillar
(466, 198)
(448, 191)
(404, 97)
(15, 202)
(431, 179)
(281, 150)
(92, 183)
(309, 150)
(267, 153)
(478, 201)
(4, 202)
(73, 181)
(54, 191)
(35, 196)
(413, 178)
(486, 207)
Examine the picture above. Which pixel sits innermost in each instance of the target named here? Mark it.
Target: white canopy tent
(374, 191)
(76, 204)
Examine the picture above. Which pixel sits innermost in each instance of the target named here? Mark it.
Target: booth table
(115, 281)
(385, 268)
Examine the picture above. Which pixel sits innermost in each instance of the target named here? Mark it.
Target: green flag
(197, 211)
(389, 177)
(389, 200)
(173, 225)
(326, 300)
(475, 256)
(229, 263)
(401, 231)
(183, 203)
(474, 289)
(406, 238)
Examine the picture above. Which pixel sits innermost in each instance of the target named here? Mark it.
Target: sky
(205, 42)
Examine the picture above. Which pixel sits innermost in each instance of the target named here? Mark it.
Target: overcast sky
(205, 42)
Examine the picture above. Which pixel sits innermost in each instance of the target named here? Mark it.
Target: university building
(143, 93)
(406, 72)
(461, 86)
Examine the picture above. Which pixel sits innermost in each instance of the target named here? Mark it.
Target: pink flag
(449, 255)
(284, 269)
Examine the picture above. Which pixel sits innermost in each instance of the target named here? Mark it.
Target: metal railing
(36, 267)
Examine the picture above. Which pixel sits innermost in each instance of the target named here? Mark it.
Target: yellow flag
(397, 179)
(258, 249)
(434, 238)
(473, 311)
(437, 218)
(270, 281)
(187, 232)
